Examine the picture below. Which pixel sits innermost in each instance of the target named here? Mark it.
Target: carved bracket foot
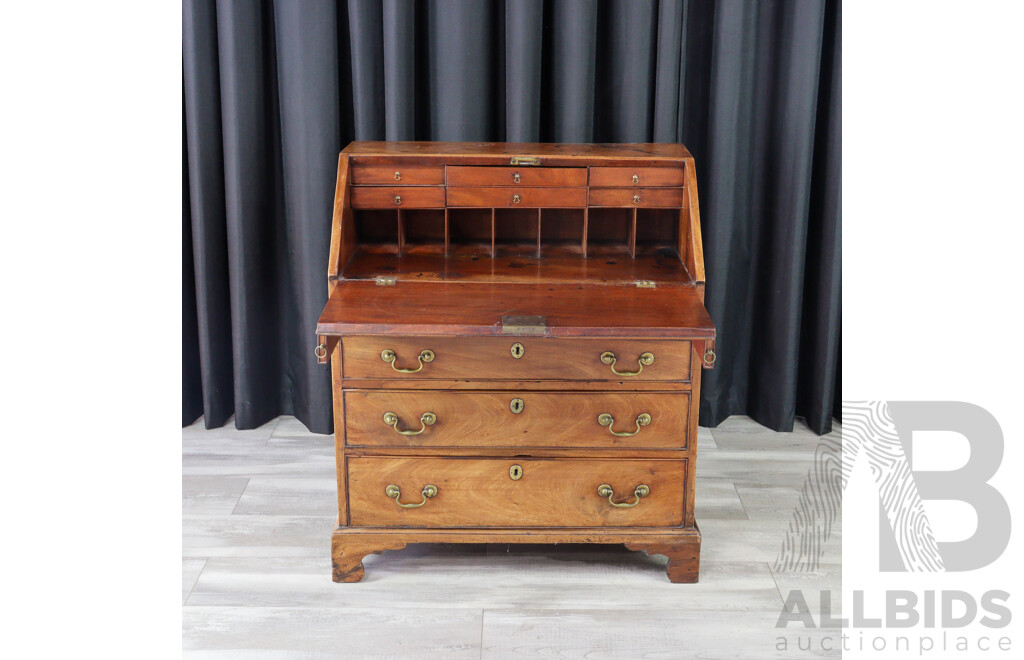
(683, 558)
(347, 555)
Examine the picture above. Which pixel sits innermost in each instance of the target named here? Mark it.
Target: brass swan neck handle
(390, 356)
(645, 360)
(641, 491)
(426, 419)
(394, 492)
(606, 419)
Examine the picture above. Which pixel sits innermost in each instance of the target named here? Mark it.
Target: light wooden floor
(258, 510)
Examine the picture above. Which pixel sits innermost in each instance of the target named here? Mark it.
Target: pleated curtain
(274, 89)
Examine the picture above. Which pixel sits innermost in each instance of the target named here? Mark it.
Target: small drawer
(495, 358)
(397, 197)
(518, 197)
(462, 492)
(517, 176)
(616, 177)
(641, 198)
(365, 174)
(383, 418)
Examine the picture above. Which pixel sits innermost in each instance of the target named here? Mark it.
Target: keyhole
(518, 350)
(517, 405)
(516, 472)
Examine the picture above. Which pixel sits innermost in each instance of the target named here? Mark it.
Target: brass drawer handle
(430, 490)
(646, 360)
(604, 490)
(516, 178)
(636, 199)
(636, 178)
(398, 176)
(389, 356)
(398, 200)
(426, 419)
(605, 419)
(515, 199)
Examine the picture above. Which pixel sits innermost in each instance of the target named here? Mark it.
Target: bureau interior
(537, 232)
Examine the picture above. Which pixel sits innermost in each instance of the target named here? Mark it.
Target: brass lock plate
(516, 472)
(517, 405)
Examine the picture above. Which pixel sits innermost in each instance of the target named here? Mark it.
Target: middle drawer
(517, 197)
(516, 419)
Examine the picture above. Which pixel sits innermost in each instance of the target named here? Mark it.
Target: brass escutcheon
(426, 419)
(646, 360)
(643, 490)
(517, 405)
(605, 419)
(517, 350)
(516, 472)
(389, 356)
(394, 492)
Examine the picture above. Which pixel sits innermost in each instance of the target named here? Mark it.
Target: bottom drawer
(481, 492)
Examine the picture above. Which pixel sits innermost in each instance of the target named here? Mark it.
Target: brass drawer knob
(643, 490)
(636, 178)
(389, 356)
(516, 178)
(426, 419)
(394, 492)
(646, 360)
(398, 200)
(398, 176)
(605, 419)
(515, 199)
(636, 199)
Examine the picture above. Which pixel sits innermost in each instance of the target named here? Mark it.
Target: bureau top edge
(501, 153)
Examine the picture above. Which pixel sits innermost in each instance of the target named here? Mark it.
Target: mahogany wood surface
(635, 176)
(489, 419)
(470, 308)
(648, 197)
(495, 197)
(405, 175)
(491, 359)
(563, 177)
(440, 246)
(550, 493)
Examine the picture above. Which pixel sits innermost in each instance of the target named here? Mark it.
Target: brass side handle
(641, 491)
(605, 419)
(646, 360)
(394, 492)
(398, 176)
(320, 351)
(398, 200)
(389, 356)
(426, 419)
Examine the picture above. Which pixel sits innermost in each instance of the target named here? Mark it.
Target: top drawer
(516, 176)
(516, 358)
(615, 177)
(367, 174)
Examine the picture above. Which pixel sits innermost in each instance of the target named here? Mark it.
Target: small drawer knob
(398, 200)
(515, 199)
(636, 178)
(636, 199)
(516, 178)
(398, 176)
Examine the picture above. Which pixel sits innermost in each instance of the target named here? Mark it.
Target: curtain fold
(273, 89)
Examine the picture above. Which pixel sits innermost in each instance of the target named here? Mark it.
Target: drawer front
(404, 197)
(516, 419)
(642, 198)
(473, 492)
(364, 174)
(517, 176)
(527, 197)
(635, 176)
(492, 358)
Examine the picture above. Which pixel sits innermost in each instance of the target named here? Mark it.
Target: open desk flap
(361, 307)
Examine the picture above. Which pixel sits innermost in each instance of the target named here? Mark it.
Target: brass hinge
(525, 160)
(646, 284)
(386, 280)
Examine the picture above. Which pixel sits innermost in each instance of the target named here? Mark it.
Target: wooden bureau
(516, 335)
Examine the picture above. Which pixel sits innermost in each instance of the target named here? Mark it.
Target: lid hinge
(646, 284)
(386, 280)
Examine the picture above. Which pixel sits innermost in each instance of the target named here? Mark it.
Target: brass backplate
(523, 325)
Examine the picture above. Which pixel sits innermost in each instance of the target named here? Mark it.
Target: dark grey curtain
(274, 89)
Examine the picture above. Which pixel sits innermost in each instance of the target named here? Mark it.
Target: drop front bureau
(516, 335)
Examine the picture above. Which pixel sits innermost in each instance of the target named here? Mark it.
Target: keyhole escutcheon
(517, 405)
(516, 472)
(517, 350)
